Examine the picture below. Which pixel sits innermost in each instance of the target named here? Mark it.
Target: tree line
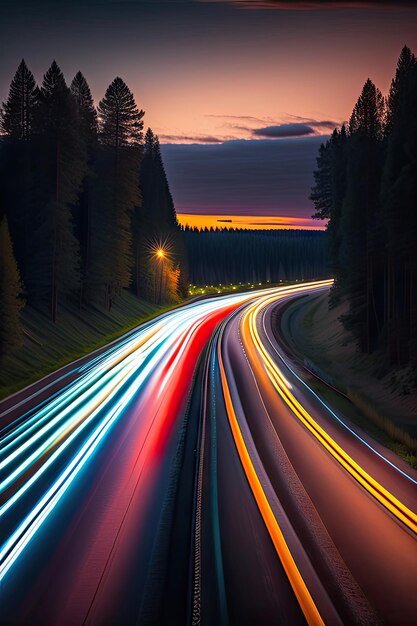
(366, 186)
(84, 201)
(223, 255)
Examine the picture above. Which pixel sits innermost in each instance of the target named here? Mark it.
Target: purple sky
(254, 87)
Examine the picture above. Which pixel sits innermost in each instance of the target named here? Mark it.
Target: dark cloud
(295, 129)
(284, 130)
(257, 176)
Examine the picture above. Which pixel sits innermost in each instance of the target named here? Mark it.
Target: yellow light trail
(298, 585)
(259, 357)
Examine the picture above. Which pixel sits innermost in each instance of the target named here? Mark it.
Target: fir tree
(120, 119)
(17, 182)
(11, 302)
(328, 194)
(405, 64)
(55, 265)
(19, 109)
(157, 220)
(117, 192)
(398, 193)
(82, 212)
(378, 221)
(86, 110)
(361, 245)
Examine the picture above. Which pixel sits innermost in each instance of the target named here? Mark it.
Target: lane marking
(297, 583)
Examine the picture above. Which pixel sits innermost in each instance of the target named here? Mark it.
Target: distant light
(160, 253)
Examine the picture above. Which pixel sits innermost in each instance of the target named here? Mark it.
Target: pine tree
(11, 302)
(120, 120)
(405, 64)
(117, 191)
(17, 184)
(19, 109)
(157, 220)
(86, 110)
(361, 247)
(327, 195)
(378, 223)
(82, 212)
(398, 193)
(62, 167)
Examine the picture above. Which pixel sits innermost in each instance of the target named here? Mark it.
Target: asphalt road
(188, 475)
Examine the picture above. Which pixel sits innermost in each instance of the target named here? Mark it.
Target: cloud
(190, 139)
(242, 118)
(302, 128)
(284, 130)
(283, 125)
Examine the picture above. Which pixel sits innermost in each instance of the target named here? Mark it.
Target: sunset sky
(246, 91)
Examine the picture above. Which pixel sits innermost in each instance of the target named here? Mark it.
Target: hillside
(49, 345)
(385, 405)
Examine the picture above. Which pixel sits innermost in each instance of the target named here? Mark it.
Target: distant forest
(366, 185)
(84, 201)
(221, 256)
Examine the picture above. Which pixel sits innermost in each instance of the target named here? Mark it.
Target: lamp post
(160, 255)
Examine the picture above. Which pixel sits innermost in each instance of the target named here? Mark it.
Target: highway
(187, 474)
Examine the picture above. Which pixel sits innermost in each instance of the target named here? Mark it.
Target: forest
(85, 207)
(221, 256)
(366, 186)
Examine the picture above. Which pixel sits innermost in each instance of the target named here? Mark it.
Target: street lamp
(160, 255)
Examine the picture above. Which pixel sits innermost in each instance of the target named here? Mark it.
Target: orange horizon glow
(249, 222)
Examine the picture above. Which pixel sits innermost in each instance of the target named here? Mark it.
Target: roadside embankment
(383, 405)
(48, 346)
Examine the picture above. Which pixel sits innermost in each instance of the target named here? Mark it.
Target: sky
(241, 93)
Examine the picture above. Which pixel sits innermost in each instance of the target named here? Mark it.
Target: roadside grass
(383, 422)
(320, 345)
(366, 417)
(226, 288)
(48, 346)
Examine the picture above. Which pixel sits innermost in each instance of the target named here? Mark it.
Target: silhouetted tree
(328, 194)
(376, 230)
(360, 226)
(11, 301)
(398, 193)
(19, 109)
(70, 187)
(117, 191)
(405, 64)
(222, 256)
(156, 221)
(88, 129)
(16, 194)
(60, 172)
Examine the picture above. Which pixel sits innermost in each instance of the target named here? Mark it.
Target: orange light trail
(264, 366)
(261, 360)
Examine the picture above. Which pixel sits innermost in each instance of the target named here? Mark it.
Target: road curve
(341, 515)
(188, 475)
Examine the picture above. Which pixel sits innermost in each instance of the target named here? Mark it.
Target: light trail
(54, 443)
(331, 412)
(298, 585)
(261, 363)
(260, 358)
(141, 382)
